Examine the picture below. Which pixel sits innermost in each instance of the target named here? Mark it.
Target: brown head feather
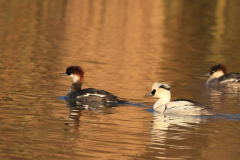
(215, 68)
(75, 70)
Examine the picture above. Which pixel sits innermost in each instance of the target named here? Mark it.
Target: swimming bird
(77, 95)
(179, 106)
(218, 76)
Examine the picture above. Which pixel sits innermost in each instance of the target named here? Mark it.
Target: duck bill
(149, 94)
(63, 74)
(207, 74)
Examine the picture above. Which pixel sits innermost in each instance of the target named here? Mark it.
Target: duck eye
(153, 91)
(69, 72)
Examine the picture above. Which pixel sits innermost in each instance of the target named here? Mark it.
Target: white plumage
(180, 106)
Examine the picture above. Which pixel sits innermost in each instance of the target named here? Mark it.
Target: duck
(218, 76)
(176, 107)
(78, 96)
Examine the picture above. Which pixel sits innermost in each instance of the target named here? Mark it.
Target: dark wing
(94, 95)
(231, 77)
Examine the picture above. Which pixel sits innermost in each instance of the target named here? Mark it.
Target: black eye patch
(69, 72)
(212, 72)
(153, 91)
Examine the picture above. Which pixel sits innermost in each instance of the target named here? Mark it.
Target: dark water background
(124, 47)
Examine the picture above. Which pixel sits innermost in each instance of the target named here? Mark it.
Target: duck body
(92, 95)
(179, 106)
(227, 80)
(185, 107)
(218, 76)
(76, 95)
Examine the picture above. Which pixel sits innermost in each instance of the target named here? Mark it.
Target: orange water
(124, 47)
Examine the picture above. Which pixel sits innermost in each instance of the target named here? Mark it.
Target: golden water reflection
(124, 47)
(169, 135)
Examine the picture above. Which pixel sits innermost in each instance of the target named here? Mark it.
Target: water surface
(124, 47)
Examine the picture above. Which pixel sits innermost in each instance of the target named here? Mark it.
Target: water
(124, 47)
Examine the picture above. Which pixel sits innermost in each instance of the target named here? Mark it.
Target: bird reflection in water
(75, 111)
(173, 128)
(222, 95)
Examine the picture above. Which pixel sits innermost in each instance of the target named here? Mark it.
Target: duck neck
(210, 79)
(162, 101)
(77, 83)
(215, 75)
(76, 86)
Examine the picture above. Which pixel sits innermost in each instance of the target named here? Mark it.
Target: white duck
(179, 106)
